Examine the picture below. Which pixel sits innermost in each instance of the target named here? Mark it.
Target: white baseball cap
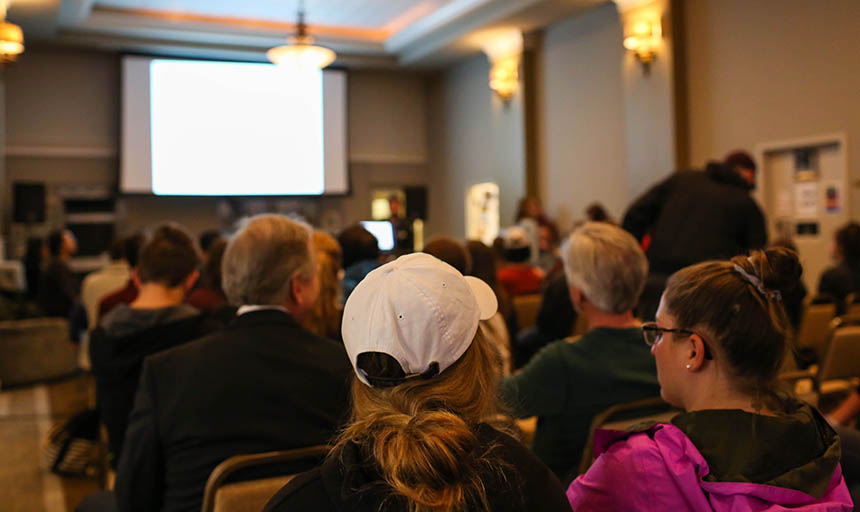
(418, 310)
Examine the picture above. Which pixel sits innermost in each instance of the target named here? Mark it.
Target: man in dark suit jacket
(262, 384)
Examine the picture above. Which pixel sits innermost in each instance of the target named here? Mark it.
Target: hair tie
(756, 282)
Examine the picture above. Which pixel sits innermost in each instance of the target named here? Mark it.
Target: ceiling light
(301, 52)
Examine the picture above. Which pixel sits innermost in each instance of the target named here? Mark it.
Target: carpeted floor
(26, 415)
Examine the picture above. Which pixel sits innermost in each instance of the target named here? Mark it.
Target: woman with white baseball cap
(424, 387)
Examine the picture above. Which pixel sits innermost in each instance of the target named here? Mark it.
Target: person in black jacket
(837, 282)
(263, 383)
(157, 320)
(694, 216)
(59, 289)
(423, 394)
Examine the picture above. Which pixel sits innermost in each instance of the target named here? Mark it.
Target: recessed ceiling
(386, 15)
(364, 33)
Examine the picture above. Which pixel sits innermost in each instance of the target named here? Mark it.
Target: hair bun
(779, 268)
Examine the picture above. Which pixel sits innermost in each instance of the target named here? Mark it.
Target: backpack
(72, 447)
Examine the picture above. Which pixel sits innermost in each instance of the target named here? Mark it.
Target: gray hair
(607, 264)
(263, 257)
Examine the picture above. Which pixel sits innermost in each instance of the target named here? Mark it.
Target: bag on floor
(72, 447)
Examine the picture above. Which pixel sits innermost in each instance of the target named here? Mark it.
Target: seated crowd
(416, 373)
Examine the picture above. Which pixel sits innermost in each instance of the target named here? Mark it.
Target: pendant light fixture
(301, 52)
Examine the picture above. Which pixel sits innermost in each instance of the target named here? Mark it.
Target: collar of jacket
(722, 173)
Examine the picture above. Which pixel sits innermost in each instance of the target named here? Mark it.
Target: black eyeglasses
(653, 333)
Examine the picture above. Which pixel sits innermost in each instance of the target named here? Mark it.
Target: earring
(688, 366)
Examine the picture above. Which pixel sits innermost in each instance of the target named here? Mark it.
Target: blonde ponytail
(421, 434)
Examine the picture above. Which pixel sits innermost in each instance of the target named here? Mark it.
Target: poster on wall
(833, 197)
(806, 200)
(482, 212)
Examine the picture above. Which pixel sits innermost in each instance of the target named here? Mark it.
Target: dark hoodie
(117, 350)
(348, 482)
(694, 216)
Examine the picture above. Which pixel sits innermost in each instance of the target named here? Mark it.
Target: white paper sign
(806, 200)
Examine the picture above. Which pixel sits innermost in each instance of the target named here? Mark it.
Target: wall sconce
(11, 37)
(642, 37)
(504, 54)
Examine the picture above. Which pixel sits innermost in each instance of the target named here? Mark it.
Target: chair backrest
(34, 350)
(814, 329)
(222, 495)
(622, 417)
(852, 305)
(842, 359)
(527, 307)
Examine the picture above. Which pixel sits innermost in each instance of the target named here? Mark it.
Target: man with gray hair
(262, 384)
(570, 381)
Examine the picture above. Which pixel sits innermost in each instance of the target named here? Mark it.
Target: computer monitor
(383, 231)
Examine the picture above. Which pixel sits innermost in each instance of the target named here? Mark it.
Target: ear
(191, 279)
(696, 356)
(135, 278)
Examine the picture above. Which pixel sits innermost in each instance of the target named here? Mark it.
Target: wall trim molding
(383, 158)
(38, 151)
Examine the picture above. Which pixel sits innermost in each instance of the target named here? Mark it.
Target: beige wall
(59, 100)
(474, 138)
(772, 70)
(582, 111)
(649, 107)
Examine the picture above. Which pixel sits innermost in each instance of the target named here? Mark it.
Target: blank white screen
(227, 128)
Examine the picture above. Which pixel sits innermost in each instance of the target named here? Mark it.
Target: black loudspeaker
(416, 202)
(29, 199)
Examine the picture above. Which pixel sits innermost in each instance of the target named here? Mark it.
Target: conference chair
(624, 416)
(852, 305)
(814, 330)
(842, 359)
(527, 307)
(35, 350)
(224, 494)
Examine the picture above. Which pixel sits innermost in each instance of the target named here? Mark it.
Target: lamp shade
(11, 40)
(301, 53)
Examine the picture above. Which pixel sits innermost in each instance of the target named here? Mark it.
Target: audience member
(59, 289)
(360, 256)
(567, 383)
(530, 208)
(264, 383)
(128, 293)
(792, 300)
(839, 281)
(719, 341)
(485, 268)
(555, 320)
(156, 320)
(35, 257)
(518, 276)
(694, 216)
(597, 213)
(207, 241)
(455, 254)
(325, 318)
(422, 392)
(451, 252)
(100, 283)
(209, 295)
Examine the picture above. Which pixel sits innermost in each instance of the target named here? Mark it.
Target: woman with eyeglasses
(740, 445)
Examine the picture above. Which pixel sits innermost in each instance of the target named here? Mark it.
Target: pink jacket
(661, 470)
